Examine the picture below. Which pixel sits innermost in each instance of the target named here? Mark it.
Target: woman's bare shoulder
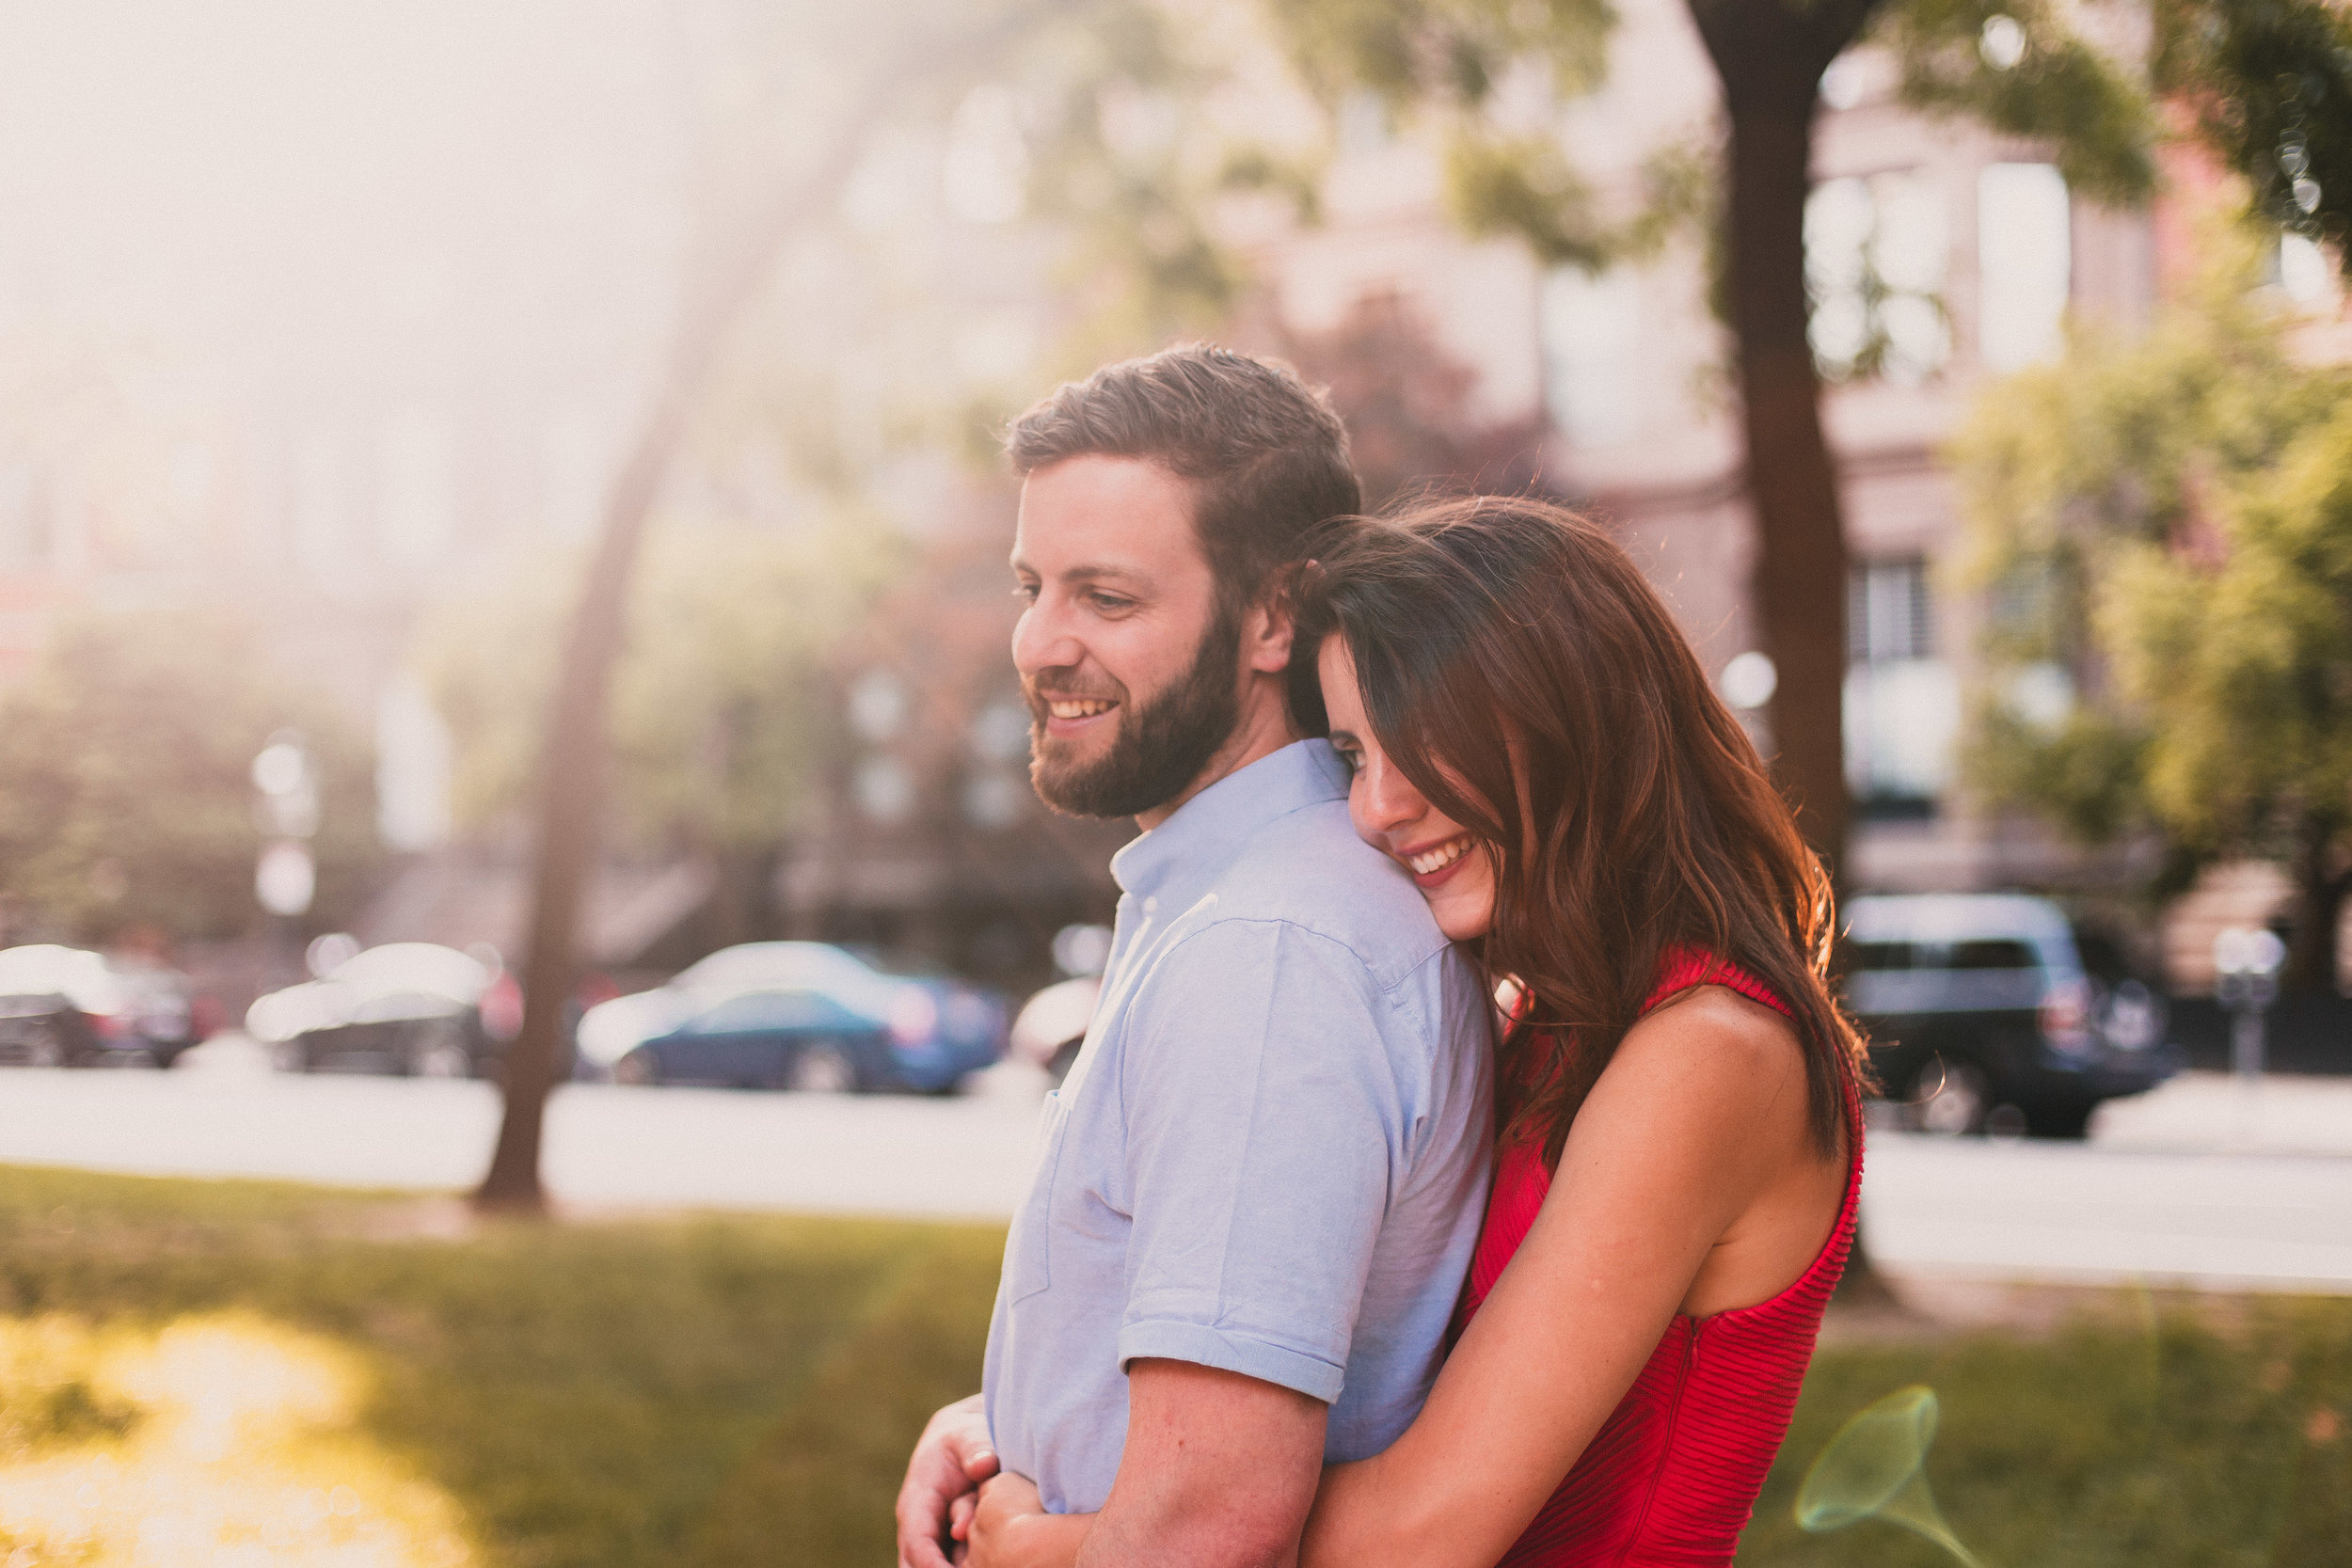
(1713, 1030)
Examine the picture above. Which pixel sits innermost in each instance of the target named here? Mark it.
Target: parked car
(1052, 1026)
(799, 1015)
(1982, 1015)
(65, 1007)
(409, 1007)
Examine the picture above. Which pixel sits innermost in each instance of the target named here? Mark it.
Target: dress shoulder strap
(1683, 967)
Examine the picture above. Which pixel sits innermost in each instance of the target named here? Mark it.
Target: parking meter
(2246, 980)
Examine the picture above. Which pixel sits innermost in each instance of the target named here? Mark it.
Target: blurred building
(302, 315)
(1939, 252)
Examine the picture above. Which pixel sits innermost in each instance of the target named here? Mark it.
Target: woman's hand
(1011, 1528)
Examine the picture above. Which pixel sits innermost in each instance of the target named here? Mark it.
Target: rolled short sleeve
(1265, 1131)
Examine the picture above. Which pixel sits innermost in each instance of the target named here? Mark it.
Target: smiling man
(1258, 1189)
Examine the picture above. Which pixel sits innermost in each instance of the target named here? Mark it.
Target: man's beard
(1160, 747)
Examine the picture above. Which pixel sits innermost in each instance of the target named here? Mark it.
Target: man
(1259, 1187)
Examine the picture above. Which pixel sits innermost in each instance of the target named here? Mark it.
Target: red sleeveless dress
(1672, 1474)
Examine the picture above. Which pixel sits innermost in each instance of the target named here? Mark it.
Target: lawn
(213, 1372)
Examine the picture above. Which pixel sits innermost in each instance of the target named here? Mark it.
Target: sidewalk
(2211, 1113)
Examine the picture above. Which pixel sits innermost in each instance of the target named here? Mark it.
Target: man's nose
(1041, 641)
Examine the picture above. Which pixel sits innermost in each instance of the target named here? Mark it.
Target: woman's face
(1453, 871)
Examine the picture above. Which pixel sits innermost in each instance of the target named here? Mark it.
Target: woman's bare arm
(1700, 1114)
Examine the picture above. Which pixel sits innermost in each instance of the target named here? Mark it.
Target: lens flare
(219, 1441)
(1874, 1469)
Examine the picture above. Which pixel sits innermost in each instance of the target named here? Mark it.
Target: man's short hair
(1266, 456)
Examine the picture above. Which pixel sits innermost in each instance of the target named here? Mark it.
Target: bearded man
(1259, 1186)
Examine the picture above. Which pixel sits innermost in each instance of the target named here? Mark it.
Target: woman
(1680, 1147)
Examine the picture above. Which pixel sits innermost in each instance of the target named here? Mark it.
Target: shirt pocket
(1028, 1252)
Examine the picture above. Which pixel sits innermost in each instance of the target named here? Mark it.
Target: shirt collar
(1207, 831)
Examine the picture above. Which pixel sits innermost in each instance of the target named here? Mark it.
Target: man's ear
(1267, 632)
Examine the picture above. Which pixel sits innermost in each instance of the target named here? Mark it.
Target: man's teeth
(1078, 708)
(1439, 859)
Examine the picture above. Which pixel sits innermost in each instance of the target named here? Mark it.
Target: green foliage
(1413, 52)
(2086, 772)
(2062, 90)
(721, 718)
(1524, 185)
(126, 793)
(2121, 506)
(1127, 162)
(1440, 60)
(2242, 651)
(2270, 85)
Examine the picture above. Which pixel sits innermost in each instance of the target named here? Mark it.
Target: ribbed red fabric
(1672, 1474)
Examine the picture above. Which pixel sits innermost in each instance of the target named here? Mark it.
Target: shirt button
(1151, 904)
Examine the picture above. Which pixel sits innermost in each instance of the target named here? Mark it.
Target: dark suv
(1982, 1017)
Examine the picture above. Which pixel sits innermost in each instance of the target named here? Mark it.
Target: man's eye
(1111, 604)
(1024, 592)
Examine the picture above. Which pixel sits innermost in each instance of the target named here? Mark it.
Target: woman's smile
(1433, 864)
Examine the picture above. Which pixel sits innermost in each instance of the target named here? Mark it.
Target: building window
(1902, 703)
(2025, 264)
(1876, 252)
(1889, 615)
(1591, 329)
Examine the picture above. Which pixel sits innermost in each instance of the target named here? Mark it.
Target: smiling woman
(1437, 850)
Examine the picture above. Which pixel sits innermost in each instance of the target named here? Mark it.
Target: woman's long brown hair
(1518, 669)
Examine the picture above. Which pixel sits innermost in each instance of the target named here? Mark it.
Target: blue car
(799, 1015)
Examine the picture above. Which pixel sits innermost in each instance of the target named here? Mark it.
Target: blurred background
(1973, 379)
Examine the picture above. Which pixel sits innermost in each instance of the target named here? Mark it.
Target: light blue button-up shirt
(1270, 1156)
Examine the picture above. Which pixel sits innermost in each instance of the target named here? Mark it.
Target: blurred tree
(2267, 85)
(837, 77)
(126, 789)
(1508, 173)
(723, 718)
(1411, 423)
(2169, 559)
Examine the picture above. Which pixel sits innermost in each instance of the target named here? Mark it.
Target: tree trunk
(574, 753)
(1769, 56)
(2321, 883)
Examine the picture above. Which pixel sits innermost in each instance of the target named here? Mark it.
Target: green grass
(2140, 1434)
(702, 1391)
(307, 1374)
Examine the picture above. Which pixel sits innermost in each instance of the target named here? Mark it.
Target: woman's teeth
(1442, 856)
(1078, 708)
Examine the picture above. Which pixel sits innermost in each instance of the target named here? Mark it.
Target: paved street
(2197, 1185)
